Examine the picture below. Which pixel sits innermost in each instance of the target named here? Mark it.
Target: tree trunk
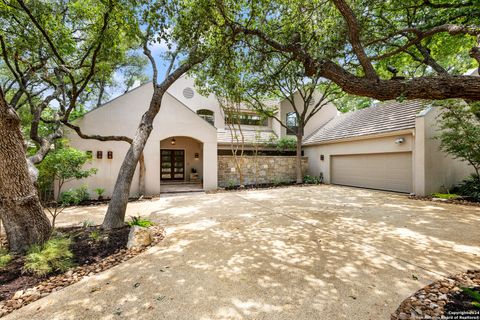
(299, 156)
(117, 207)
(22, 214)
(141, 175)
(115, 216)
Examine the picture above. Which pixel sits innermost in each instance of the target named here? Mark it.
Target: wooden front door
(172, 164)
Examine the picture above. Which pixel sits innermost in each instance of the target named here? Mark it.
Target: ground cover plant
(70, 254)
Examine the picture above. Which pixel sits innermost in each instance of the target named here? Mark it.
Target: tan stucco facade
(429, 170)
(432, 169)
(326, 113)
(436, 171)
(121, 117)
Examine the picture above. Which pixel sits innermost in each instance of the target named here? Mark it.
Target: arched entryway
(181, 164)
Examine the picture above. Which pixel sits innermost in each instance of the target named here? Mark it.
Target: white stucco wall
(437, 171)
(121, 116)
(327, 113)
(198, 101)
(365, 145)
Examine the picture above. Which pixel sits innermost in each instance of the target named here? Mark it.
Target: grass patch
(53, 256)
(5, 258)
(448, 196)
(139, 221)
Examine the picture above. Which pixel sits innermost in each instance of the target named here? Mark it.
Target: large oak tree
(51, 54)
(187, 28)
(379, 49)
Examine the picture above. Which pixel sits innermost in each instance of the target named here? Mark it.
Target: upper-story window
(292, 123)
(207, 115)
(249, 119)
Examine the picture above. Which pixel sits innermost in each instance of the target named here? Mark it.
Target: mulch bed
(443, 299)
(18, 288)
(454, 201)
(97, 202)
(261, 186)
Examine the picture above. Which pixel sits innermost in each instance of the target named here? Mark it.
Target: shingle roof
(384, 117)
(250, 136)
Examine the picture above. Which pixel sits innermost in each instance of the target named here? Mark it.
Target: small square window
(99, 154)
(89, 153)
(322, 157)
(110, 154)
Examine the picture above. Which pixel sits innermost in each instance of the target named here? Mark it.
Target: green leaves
(65, 164)
(53, 256)
(460, 131)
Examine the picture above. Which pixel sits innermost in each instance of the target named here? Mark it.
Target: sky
(157, 49)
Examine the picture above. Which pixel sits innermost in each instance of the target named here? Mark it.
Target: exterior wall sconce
(99, 154)
(110, 154)
(173, 141)
(197, 156)
(400, 140)
(322, 157)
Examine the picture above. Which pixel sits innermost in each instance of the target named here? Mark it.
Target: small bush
(95, 235)
(311, 180)
(287, 143)
(100, 192)
(280, 181)
(448, 196)
(74, 196)
(139, 221)
(88, 223)
(53, 256)
(5, 258)
(474, 295)
(469, 188)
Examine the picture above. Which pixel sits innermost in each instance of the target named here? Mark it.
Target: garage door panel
(385, 171)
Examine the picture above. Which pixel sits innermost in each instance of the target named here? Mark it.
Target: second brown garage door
(384, 171)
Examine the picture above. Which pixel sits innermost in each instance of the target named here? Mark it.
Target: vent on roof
(188, 93)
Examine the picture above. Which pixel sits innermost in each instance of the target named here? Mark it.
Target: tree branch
(353, 30)
(95, 136)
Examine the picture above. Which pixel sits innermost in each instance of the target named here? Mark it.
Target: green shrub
(53, 256)
(311, 180)
(469, 187)
(74, 196)
(279, 181)
(100, 192)
(474, 295)
(139, 221)
(5, 258)
(449, 196)
(287, 143)
(95, 235)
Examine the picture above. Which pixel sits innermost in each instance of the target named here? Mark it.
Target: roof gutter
(364, 137)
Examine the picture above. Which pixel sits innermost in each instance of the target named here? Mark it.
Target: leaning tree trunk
(22, 215)
(299, 156)
(117, 207)
(141, 175)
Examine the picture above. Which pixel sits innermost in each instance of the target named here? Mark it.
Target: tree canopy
(379, 49)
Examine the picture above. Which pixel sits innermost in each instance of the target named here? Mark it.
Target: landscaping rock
(139, 237)
(57, 282)
(431, 300)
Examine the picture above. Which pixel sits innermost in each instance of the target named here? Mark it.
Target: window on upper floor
(249, 119)
(207, 115)
(291, 122)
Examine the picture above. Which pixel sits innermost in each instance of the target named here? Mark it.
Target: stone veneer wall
(260, 169)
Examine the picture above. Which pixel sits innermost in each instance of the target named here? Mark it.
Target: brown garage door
(384, 171)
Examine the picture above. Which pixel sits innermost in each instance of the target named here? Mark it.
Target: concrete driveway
(320, 252)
